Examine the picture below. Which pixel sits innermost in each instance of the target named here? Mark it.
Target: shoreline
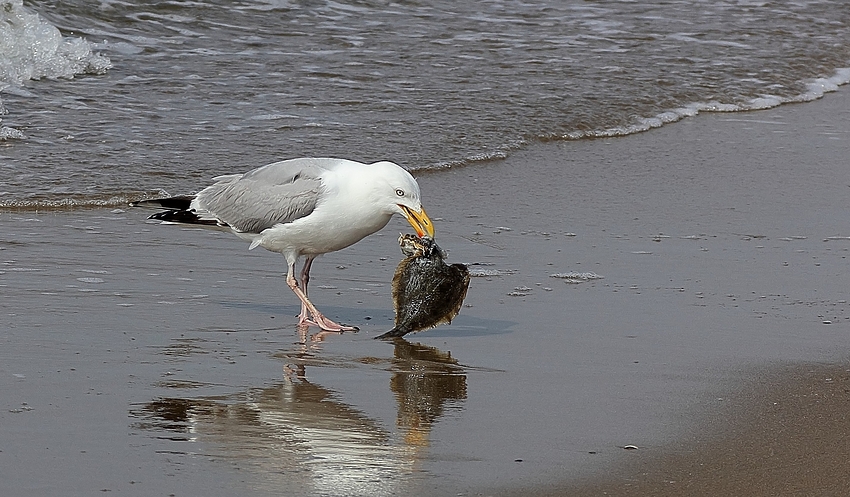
(148, 359)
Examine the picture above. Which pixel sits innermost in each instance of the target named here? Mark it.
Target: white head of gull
(303, 208)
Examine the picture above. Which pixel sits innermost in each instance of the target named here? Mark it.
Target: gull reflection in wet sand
(298, 435)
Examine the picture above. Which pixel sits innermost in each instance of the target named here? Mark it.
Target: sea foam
(815, 89)
(31, 48)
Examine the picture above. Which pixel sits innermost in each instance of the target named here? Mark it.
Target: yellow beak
(419, 220)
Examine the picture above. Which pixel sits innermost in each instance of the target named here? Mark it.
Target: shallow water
(203, 88)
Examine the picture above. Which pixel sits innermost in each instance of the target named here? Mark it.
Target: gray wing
(277, 193)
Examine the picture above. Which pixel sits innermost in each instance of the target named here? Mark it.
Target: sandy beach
(681, 291)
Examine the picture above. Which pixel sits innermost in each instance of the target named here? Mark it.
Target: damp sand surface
(682, 291)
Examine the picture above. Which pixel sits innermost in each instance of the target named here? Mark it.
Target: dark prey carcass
(427, 292)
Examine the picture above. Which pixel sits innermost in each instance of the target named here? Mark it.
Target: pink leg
(305, 273)
(304, 316)
(307, 307)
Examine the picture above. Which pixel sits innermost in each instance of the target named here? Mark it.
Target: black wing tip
(180, 202)
(178, 210)
(180, 216)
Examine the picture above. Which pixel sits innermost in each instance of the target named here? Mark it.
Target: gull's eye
(399, 192)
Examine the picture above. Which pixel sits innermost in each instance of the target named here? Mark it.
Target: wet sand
(139, 359)
(784, 433)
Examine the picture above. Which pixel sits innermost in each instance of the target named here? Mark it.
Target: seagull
(303, 208)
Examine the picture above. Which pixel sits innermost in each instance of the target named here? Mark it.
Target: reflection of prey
(424, 378)
(299, 436)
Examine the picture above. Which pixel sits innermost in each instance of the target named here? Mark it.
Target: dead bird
(427, 292)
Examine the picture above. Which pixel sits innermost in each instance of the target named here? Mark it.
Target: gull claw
(327, 324)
